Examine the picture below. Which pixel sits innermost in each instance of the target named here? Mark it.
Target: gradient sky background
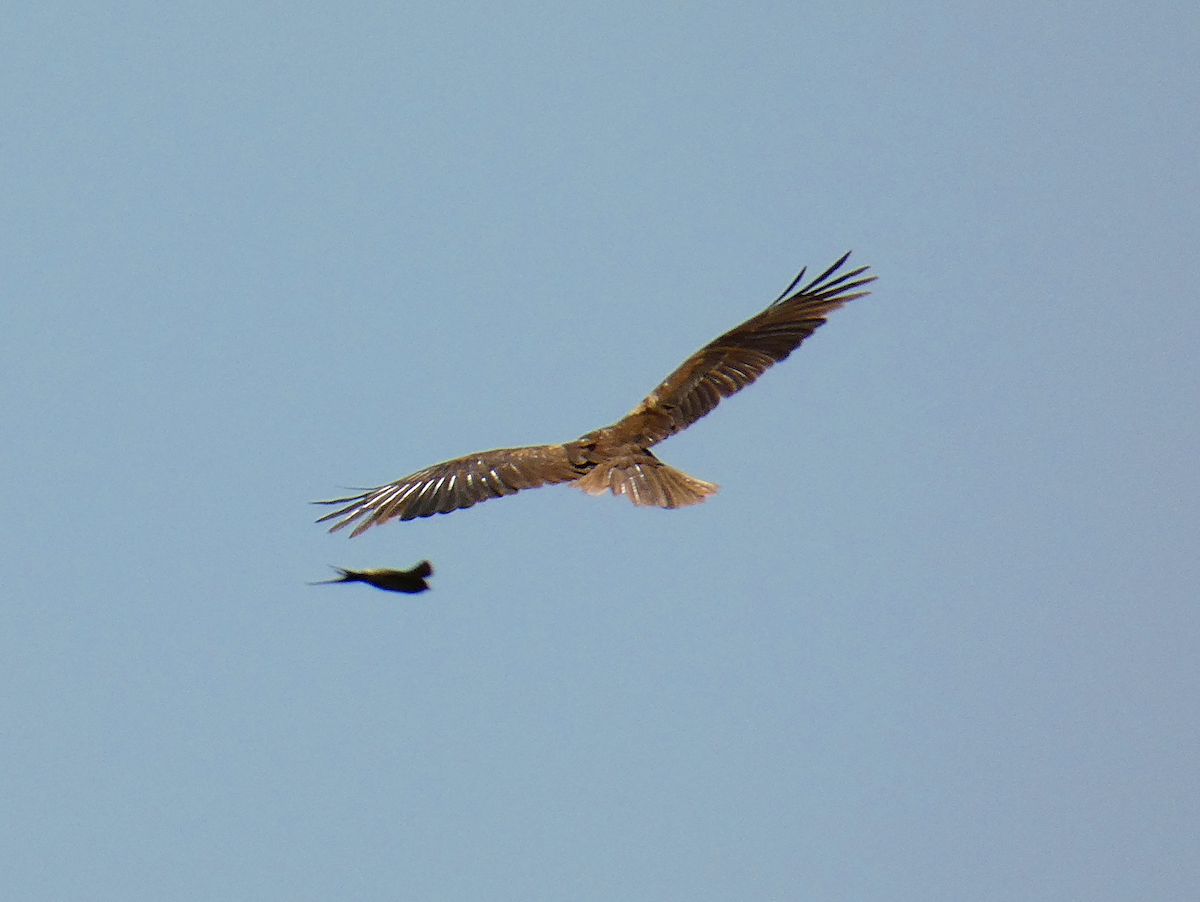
(938, 636)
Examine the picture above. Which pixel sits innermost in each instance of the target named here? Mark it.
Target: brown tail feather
(647, 482)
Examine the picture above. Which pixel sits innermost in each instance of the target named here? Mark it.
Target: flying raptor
(617, 458)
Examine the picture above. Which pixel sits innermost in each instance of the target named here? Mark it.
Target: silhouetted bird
(411, 581)
(618, 458)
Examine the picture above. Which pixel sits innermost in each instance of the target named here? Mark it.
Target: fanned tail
(646, 481)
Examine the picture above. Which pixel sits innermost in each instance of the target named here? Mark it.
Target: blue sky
(936, 637)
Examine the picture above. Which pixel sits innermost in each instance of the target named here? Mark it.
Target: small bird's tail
(646, 481)
(344, 576)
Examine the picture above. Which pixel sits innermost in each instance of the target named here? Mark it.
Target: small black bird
(410, 581)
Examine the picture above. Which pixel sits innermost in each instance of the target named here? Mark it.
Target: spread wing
(729, 363)
(454, 484)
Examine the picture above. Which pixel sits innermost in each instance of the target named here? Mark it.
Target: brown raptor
(618, 457)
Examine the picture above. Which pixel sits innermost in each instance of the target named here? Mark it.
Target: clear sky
(936, 638)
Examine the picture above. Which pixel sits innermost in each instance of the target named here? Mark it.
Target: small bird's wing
(453, 485)
(729, 363)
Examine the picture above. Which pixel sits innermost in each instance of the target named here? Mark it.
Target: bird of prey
(410, 581)
(617, 458)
